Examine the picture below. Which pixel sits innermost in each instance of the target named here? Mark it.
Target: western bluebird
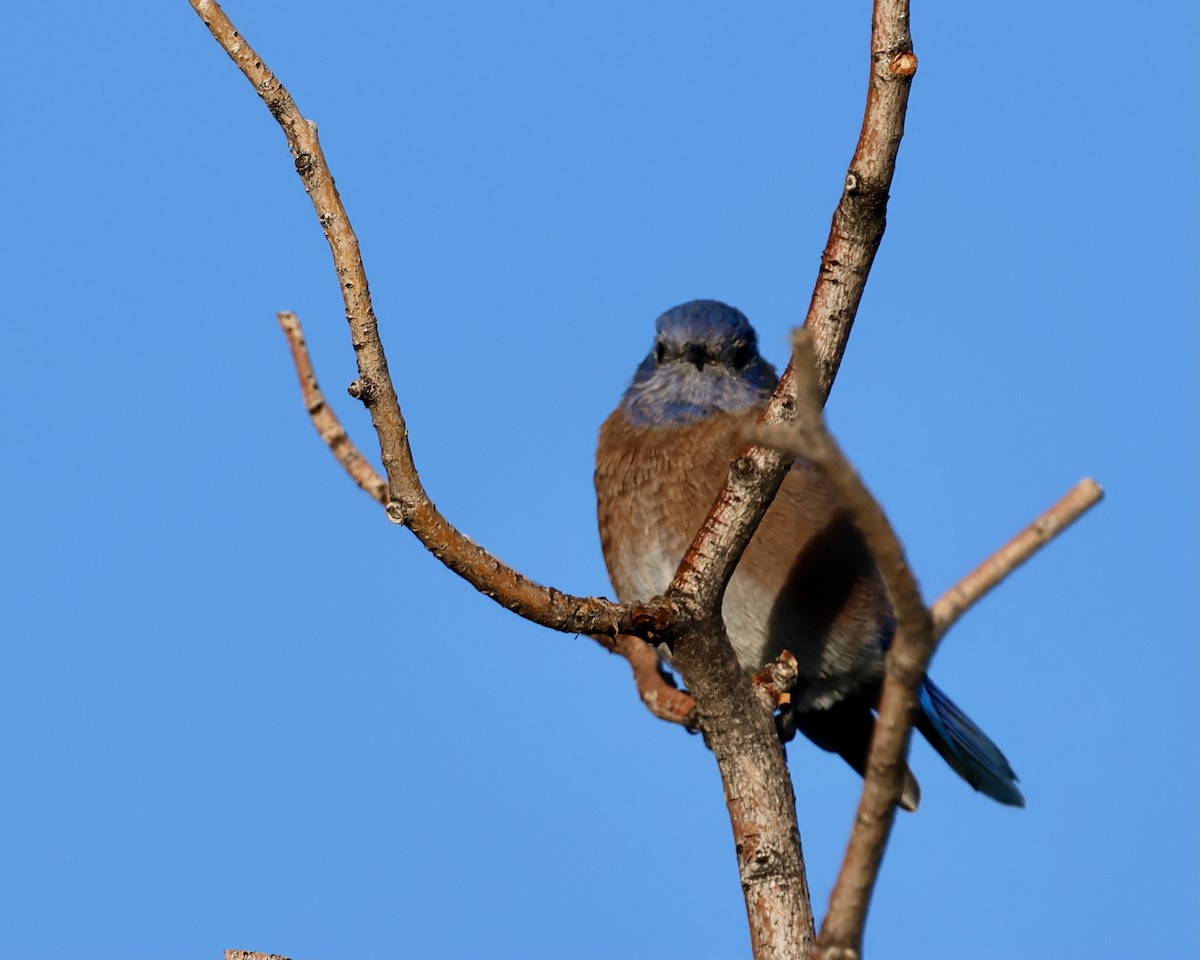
(806, 582)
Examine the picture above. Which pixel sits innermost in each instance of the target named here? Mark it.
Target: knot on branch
(778, 678)
(743, 468)
(903, 64)
(362, 390)
(863, 207)
(759, 860)
(583, 618)
(305, 164)
(652, 620)
(400, 511)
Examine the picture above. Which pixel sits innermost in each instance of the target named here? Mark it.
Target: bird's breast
(805, 583)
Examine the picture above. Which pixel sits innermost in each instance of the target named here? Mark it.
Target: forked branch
(661, 697)
(407, 502)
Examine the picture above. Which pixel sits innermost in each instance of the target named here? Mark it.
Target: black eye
(660, 352)
(741, 357)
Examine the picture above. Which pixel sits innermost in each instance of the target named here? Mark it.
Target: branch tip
(995, 569)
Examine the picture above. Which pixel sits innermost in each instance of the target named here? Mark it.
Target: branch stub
(903, 64)
(397, 512)
(361, 390)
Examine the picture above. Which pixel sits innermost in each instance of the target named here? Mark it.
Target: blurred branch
(912, 647)
(979, 582)
(407, 502)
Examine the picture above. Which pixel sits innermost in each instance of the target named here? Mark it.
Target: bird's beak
(696, 355)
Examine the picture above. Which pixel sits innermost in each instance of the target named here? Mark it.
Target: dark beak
(696, 355)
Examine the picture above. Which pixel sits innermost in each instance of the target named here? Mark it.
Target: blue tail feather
(965, 747)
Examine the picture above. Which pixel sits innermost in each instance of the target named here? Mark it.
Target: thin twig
(659, 695)
(407, 501)
(979, 582)
(328, 427)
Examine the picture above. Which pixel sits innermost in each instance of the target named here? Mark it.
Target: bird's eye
(660, 352)
(741, 357)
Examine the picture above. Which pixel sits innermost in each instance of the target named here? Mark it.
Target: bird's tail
(965, 747)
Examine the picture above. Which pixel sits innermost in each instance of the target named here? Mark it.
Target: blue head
(705, 359)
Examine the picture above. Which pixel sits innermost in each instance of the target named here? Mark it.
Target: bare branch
(324, 419)
(661, 697)
(407, 501)
(739, 728)
(659, 694)
(980, 581)
(861, 216)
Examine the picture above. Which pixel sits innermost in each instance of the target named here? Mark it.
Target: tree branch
(659, 694)
(861, 216)
(979, 582)
(407, 501)
(328, 427)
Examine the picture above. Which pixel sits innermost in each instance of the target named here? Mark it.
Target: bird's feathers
(806, 582)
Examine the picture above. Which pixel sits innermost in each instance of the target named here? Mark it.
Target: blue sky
(241, 709)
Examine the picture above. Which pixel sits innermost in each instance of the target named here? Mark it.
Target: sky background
(241, 709)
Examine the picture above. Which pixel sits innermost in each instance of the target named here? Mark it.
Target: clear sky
(241, 709)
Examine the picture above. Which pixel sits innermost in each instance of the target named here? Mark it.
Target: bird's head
(705, 359)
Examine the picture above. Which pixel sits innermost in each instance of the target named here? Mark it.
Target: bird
(806, 582)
